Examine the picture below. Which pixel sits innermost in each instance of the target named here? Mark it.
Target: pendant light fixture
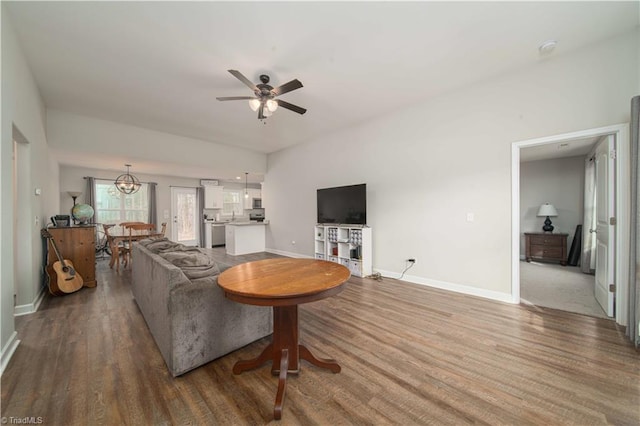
(127, 183)
(246, 185)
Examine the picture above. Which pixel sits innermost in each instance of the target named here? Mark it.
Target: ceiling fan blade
(234, 98)
(291, 107)
(242, 78)
(287, 87)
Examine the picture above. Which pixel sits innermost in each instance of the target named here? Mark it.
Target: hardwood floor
(409, 355)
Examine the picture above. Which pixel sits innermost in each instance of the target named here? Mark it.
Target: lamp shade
(254, 104)
(547, 210)
(271, 105)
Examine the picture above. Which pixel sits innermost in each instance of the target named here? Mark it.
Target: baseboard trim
(288, 254)
(443, 285)
(8, 351)
(30, 308)
(458, 288)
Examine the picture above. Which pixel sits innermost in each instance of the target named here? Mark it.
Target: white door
(186, 220)
(605, 234)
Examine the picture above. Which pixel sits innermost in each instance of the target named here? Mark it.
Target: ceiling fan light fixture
(272, 105)
(263, 100)
(254, 104)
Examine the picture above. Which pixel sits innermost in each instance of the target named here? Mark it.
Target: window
(112, 206)
(232, 202)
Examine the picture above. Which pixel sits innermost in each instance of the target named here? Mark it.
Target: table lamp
(549, 211)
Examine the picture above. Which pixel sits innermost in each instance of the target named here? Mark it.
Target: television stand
(349, 245)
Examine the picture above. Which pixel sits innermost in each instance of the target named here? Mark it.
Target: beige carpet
(558, 287)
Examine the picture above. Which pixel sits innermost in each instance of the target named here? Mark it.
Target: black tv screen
(343, 204)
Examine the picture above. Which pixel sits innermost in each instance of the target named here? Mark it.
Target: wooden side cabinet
(546, 246)
(78, 244)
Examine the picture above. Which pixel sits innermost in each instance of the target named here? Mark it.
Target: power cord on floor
(375, 276)
(411, 262)
(378, 276)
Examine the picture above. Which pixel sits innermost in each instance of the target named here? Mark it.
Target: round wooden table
(283, 283)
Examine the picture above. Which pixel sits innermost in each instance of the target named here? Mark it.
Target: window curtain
(588, 259)
(153, 205)
(634, 246)
(200, 207)
(90, 197)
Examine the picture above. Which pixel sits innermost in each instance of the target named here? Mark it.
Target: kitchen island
(245, 237)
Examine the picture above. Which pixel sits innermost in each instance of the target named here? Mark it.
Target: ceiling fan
(265, 101)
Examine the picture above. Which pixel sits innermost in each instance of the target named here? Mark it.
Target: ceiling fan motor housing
(265, 93)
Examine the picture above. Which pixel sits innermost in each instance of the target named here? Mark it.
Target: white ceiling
(160, 65)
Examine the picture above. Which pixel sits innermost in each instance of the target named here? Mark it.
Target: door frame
(623, 202)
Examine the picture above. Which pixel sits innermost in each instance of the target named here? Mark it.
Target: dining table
(118, 235)
(283, 283)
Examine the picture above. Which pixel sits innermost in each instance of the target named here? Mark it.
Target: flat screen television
(343, 204)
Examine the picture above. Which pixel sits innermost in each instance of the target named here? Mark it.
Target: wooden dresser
(546, 246)
(78, 244)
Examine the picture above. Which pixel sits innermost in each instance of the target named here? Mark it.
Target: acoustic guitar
(63, 278)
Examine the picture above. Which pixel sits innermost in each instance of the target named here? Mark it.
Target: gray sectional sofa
(188, 315)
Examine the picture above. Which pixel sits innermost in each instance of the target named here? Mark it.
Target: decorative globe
(82, 213)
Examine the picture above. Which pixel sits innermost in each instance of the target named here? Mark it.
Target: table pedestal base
(284, 353)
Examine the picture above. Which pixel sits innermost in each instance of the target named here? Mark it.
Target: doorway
(184, 211)
(23, 295)
(620, 230)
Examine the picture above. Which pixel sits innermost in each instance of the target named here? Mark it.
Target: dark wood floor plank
(409, 355)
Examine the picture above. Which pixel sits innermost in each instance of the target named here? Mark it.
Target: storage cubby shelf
(349, 245)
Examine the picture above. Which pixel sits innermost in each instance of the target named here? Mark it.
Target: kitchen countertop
(247, 223)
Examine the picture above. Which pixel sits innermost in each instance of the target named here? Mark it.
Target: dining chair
(125, 225)
(122, 248)
(137, 229)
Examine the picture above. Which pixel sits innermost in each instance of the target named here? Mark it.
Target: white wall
(559, 182)
(23, 115)
(428, 166)
(103, 139)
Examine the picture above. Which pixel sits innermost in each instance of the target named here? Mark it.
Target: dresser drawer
(546, 252)
(544, 240)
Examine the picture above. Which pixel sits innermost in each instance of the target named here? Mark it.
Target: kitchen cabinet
(213, 197)
(253, 193)
(245, 238)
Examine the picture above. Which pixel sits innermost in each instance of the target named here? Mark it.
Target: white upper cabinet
(213, 197)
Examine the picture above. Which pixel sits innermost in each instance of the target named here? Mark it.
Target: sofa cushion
(158, 245)
(194, 264)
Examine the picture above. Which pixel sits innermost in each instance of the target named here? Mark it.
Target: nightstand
(546, 246)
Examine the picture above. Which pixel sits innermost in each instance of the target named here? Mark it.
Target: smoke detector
(547, 47)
